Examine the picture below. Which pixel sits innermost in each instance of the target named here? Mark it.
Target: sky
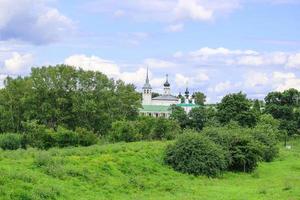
(213, 46)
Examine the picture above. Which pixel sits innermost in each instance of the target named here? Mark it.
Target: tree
(284, 106)
(198, 118)
(256, 107)
(236, 107)
(178, 114)
(64, 96)
(200, 98)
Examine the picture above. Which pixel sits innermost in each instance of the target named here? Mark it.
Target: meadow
(136, 171)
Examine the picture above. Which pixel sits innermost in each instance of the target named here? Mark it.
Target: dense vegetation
(137, 171)
(62, 107)
(63, 96)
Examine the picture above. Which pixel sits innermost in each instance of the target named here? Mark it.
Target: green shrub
(124, 131)
(165, 129)
(145, 126)
(244, 151)
(85, 137)
(38, 136)
(195, 154)
(10, 141)
(64, 137)
(268, 141)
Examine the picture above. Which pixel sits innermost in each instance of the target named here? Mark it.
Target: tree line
(64, 96)
(60, 106)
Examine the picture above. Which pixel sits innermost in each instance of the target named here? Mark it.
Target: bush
(85, 137)
(195, 154)
(10, 141)
(165, 129)
(268, 141)
(145, 126)
(64, 137)
(38, 136)
(124, 131)
(43, 138)
(244, 151)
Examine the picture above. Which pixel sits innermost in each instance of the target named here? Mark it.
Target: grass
(136, 171)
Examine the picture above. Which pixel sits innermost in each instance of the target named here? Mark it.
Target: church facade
(160, 106)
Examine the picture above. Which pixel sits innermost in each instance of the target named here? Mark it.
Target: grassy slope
(136, 171)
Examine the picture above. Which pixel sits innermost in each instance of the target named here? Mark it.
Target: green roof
(154, 108)
(187, 105)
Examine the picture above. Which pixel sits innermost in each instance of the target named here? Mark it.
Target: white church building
(160, 106)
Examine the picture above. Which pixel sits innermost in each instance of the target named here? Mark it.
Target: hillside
(136, 171)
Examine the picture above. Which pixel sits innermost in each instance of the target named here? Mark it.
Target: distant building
(160, 106)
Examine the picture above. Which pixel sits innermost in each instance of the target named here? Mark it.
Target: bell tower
(147, 91)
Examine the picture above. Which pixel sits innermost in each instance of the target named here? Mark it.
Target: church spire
(167, 84)
(147, 82)
(147, 77)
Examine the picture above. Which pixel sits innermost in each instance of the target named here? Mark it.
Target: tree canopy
(62, 95)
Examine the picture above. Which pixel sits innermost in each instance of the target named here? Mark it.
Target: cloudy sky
(212, 46)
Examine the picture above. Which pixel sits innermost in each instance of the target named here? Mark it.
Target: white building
(160, 106)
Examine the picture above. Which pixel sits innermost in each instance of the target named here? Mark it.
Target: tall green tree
(200, 98)
(178, 114)
(236, 107)
(198, 117)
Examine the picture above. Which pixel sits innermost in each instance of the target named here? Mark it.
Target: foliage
(200, 98)
(236, 107)
(136, 171)
(268, 142)
(194, 154)
(10, 141)
(38, 136)
(165, 129)
(64, 96)
(245, 153)
(85, 137)
(124, 131)
(198, 117)
(284, 106)
(256, 107)
(41, 137)
(245, 147)
(178, 114)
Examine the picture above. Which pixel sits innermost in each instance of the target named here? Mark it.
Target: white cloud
(254, 79)
(181, 80)
(94, 63)
(192, 9)
(294, 61)
(136, 77)
(175, 27)
(166, 10)
(283, 81)
(221, 87)
(33, 21)
(157, 63)
(281, 76)
(191, 81)
(17, 64)
(289, 83)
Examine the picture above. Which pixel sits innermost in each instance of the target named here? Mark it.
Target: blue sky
(212, 46)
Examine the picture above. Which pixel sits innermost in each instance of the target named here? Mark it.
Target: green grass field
(136, 171)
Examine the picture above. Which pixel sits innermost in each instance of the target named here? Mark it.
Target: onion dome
(186, 92)
(167, 84)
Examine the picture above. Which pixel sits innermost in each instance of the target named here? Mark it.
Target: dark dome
(167, 84)
(187, 91)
